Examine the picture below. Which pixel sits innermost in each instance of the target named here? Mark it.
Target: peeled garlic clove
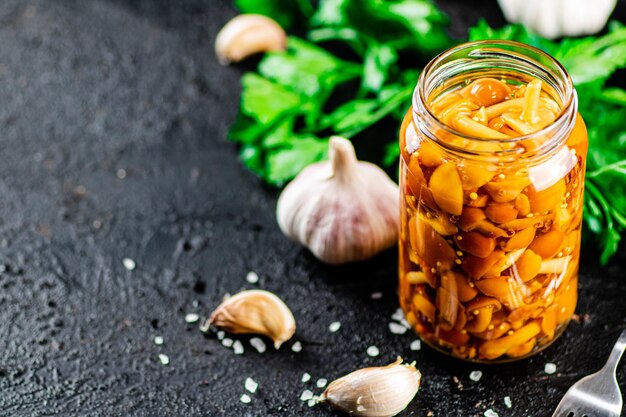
(375, 392)
(246, 35)
(258, 312)
(342, 210)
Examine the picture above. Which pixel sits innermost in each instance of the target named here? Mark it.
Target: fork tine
(566, 407)
(561, 410)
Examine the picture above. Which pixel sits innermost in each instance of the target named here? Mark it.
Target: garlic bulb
(375, 392)
(255, 311)
(554, 18)
(248, 34)
(343, 210)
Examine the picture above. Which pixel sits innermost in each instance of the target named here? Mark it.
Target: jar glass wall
(491, 178)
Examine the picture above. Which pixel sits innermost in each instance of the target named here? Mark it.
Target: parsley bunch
(301, 96)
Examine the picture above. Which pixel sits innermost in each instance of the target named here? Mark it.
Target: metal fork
(596, 395)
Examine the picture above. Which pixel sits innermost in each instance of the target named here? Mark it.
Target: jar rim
(513, 50)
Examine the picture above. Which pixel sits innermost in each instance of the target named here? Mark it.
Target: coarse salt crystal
(321, 383)
(306, 395)
(252, 277)
(251, 385)
(490, 413)
(129, 264)
(158, 340)
(121, 173)
(220, 335)
(508, 402)
(164, 359)
(476, 375)
(312, 402)
(416, 344)
(192, 318)
(398, 315)
(550, 368)
(245, 398)
(227, 342)
(205, 327)
(373, 351)
(296, 347)
(238, 347)
(258, 344)
(306, 377)
(396, 328)
(377, 295)
(334, 326)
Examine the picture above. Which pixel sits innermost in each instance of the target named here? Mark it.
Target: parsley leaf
(286, 162)
(330, 13)
(402, 24)
(614, 95)
(306, 68)
(263, 103)
(612, 179)
(355, 116)
(422, 18)
(379, 60)
(264, 100)
(594, 59)
(286, 12)
(292, 85)
(518, 33)
(309, 70)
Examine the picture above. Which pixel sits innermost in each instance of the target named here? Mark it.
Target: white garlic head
(342, 210)
(554, 18)
(375, 392)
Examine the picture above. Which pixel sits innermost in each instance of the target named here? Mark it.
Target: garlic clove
(343, 210)
(246, 35)
(375, 392)
(258, 312)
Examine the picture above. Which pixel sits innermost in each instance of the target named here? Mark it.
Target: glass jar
(490, 222)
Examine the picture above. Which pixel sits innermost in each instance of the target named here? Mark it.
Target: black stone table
(113, 121)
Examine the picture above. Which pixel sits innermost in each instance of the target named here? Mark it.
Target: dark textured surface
(89, 87)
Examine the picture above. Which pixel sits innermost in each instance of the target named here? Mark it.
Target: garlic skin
(342, 210)
(375, 392)
(246, 35)
(255, 311)
(554, 18)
